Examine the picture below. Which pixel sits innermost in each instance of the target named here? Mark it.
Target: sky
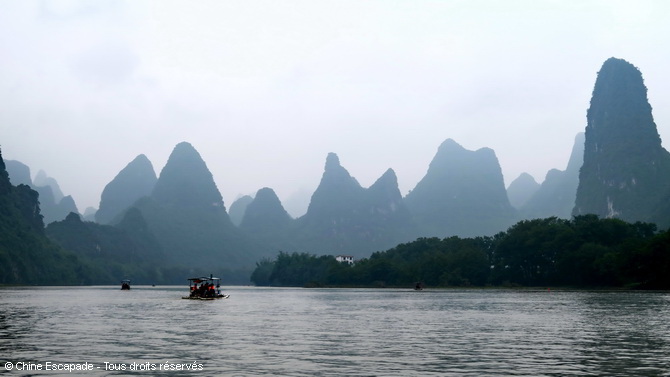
(264, 90)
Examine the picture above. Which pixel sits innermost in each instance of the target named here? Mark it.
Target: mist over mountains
(556, 195)
(54, 205)
(617, 168)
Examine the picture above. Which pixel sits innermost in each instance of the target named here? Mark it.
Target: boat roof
(203, 278)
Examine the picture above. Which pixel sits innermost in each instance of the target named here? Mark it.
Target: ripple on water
(344, 332)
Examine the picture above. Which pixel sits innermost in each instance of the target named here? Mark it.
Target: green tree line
(585, 251)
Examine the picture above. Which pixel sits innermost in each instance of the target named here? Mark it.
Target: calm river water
(335, 332)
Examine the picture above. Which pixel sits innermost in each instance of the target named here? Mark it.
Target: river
(334, 332)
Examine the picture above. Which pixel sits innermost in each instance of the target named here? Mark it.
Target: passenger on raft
(204, 290)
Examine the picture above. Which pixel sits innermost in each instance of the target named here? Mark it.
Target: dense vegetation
(119, 253)
(583, 252)
(27, 256)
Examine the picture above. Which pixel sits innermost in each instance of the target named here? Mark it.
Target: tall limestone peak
(387, 185)
(265, 213)
(384, 195)
(521, 190)
(463, 193)
(452, 161)
(389, 178)
(338, 191)
(134, 181)
(335, 174)
(344, 217)
(626, 171)
(387, 211)
(186, 214)
(332, 162)
(619, 109)
(185, 181)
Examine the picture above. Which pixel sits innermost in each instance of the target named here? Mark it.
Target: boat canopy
(203, 278)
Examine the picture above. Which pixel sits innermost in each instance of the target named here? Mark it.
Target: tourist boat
(204, 288)
(125, 285)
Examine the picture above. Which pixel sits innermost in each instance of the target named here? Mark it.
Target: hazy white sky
(265, 89)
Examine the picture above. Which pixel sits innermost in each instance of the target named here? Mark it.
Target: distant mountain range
(617, 169)
(54, 205)
(556, 195)
(345, 218)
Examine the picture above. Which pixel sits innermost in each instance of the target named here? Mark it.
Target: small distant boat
(418, 286)
(204, 288)
(125, 285)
